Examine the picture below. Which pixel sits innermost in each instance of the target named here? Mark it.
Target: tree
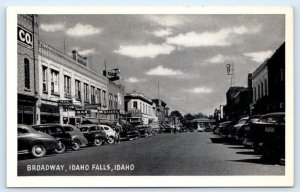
(176, 113)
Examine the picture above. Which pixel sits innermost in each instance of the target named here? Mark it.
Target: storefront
(49, 112)
(26, 109)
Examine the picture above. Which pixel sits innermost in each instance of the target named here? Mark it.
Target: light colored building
(139, 108)
(69, 90)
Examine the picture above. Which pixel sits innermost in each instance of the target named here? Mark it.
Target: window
(22, 131)
(135, 104)
(262, 89)
(104, 98)
(116, 101)
(26, 73)
(67, 128)
(45, 79)
(110, 100)
(67, 86)
(281, 75)
(86, 92)
(54, 82)
(99, 96)
(78, 90)
(93, 95)
(254, 93)
(258, 92)
(266, 87)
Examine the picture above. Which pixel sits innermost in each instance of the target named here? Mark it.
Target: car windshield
(242, 121)
(84, 129)
(272, 119)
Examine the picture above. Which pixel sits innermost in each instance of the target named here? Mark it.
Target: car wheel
(146, 135)
(38, 150)
(76, 145)
(61, 147)
(98, 142)
(111, 140)
(131, 138)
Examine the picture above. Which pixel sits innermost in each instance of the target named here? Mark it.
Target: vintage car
(77, 138)
(224, 129)
(94, 134)
(129, 132)
(145, 130)
(244, 131)
(64, 139)
(235, 129)
(268, 135)
(34, 142)
(110, 132)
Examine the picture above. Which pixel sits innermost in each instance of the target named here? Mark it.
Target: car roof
(87, 125)
(274, 114)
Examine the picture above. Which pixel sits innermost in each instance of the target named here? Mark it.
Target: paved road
(166, 154)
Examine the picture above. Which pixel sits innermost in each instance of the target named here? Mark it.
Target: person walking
(118, 130)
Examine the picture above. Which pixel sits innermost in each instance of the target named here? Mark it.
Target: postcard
(181, 96)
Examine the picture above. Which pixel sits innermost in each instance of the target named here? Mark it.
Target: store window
(77, 90)
(26, 73)
(54, 82)
(67, 86)
(45, 79)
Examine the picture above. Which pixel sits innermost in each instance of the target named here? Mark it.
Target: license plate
(269, 129)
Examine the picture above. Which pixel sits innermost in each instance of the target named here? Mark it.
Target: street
(164, 154)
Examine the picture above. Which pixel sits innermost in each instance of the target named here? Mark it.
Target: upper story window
(45, 79)
(266, 87)
(67, 86)
(99, 96)
(258, 92)
(54, 82)
(254, 93)
(77, 90)
(262, 89)
(135, 104)
(86, 92)
(104, 98)
(93, 98)
(26, 73)
(116, 101)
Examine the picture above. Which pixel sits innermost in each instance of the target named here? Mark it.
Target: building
(139, 109)
(202, 123)
(162, 111)
(238, 101)
(268, 82)
(69, 90)
(28, 35)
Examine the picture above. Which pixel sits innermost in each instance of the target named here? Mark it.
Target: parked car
(235, 129)
(94, 134)
(34, 142)
(64, 139)
(224, 128)
(129, 132)
(111, 134)
(145, 130)
(269, 136)
(245, 130)
(77, 137)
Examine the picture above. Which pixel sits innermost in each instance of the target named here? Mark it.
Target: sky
(186, 54)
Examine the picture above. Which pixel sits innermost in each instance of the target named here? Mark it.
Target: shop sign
(109, 111)
(65, 102)
(25, 36)
(92, 106)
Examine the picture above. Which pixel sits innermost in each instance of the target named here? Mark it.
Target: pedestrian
(118, 130)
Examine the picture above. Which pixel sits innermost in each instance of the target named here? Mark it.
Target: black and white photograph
(195, 93)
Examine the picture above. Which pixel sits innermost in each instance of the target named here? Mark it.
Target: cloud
(218, 59)
(150, 50)
(132, 80)
(162, 32)
(260, 56)
(53, 27)
(162, 71)
(166, 20)
(80, 30)
(223, 37)
(87, 51)
(200, 90)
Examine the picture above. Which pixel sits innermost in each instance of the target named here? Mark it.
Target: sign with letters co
(25, 37)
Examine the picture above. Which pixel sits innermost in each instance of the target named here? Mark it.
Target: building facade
(268, 82)
(139, 109)
(162, 111)
(69, 90)
(27, 36)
